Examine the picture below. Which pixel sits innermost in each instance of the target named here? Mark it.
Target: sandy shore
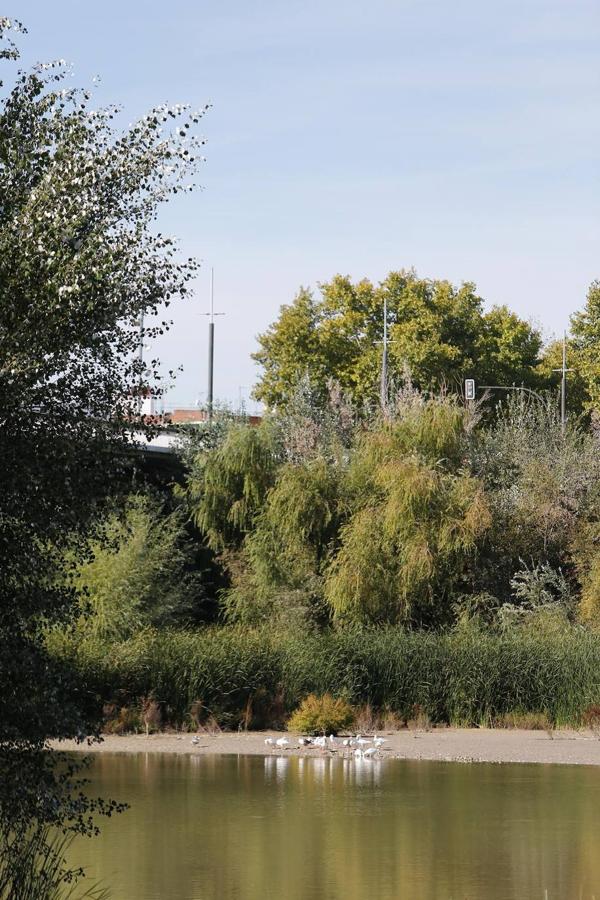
(449, 744)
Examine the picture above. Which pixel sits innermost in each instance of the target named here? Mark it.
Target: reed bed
(239, 678)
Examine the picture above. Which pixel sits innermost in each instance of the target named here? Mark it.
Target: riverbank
(442, 744)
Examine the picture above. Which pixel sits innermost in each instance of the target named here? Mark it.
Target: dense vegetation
(80, 264)
(437, 561)
(439, 331)
(422, 518)
(426, 558)
(238, 677)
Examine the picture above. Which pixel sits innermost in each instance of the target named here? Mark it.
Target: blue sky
(461, 138)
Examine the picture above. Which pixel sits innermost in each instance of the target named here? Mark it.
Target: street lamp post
(211, 345)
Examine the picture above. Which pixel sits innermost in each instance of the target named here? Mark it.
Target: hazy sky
(461, 138)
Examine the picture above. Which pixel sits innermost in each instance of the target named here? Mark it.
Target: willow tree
(280, 569)
(80, 262)
(227, 486)
(416, 518)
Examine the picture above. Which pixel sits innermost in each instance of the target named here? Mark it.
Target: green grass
(258, 677)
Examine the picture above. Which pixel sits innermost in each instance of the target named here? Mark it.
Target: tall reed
(259, 676)
(33, 867)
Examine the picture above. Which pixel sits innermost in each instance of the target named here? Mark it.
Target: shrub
(531, 721)
(139, 572)
(321, 715)
(591, 718)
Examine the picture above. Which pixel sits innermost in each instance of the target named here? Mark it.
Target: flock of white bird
(358, 746)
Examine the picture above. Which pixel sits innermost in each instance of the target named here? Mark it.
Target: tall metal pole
(563, 386)
(384, 360)
(211, 345)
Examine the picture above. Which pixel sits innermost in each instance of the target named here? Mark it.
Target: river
(252, 828)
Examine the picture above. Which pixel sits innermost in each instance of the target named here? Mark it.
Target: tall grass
(257, 677)
(33, 867)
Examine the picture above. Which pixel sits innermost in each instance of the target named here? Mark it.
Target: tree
(439, 332)
(141, 572)
(585, 330)
(417, 517)
(79, 263)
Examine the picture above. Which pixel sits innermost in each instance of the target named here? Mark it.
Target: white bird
(282, 743)
(269, 742)
(358, 753)
(304, 742)
(361, 741)
(370, 751)
(332, 741)
(320, 741)
(347, 742)
(378, 741)
(195, 740)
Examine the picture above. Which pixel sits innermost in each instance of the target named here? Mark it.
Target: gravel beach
(448, 744)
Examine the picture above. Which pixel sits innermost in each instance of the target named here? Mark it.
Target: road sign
(469, 388)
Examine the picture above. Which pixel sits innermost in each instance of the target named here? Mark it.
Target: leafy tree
(416, 518)
(226, 487)
(141, 572)
(279, 571)
(585, 330)
(439, 332)
(79, 263)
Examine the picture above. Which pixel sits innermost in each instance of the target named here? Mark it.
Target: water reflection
(218, 828)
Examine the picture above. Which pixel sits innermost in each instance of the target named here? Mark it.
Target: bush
(141, 572)
(321, 715)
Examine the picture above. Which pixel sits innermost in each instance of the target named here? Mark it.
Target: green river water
(248, 828)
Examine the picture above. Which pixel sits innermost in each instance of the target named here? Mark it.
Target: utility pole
(563, 387)
(563, 384)
(211, 345)
(384, 360)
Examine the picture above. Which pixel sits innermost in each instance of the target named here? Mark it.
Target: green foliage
(436, 330)
(226, 488)
(585, 329)
(35, 869)
(321, 715)
(282, 562)
(80, 260)
(542, 488)
(416, 518)
(467, 676)
(140, 572)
